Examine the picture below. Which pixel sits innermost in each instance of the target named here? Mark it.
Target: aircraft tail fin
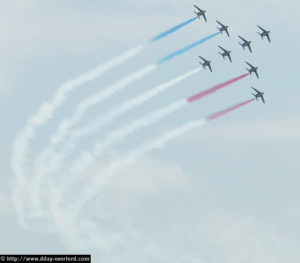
(255, 96)
(201, 65)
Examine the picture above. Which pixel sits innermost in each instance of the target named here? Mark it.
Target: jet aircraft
(246, 43)
(223, 28)
(205, 63)
(264, 33)
(258, 95)
(200, 13)
(226, 53)
(252, 69)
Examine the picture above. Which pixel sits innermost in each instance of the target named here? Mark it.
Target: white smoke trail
(161, 141)
(137, 124)
(46, 110)
(65, 125)
(21, 144)
(44, 160)
(123, 108)
(43, 163)
(99, 180)
(87, 159)
(151, 145)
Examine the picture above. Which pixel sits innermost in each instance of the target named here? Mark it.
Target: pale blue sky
(226, 192)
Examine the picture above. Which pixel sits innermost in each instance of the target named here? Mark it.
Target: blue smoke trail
(170, 31)
(183, 50)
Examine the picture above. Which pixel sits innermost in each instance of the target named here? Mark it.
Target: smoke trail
(215, 88)
(46, 163)
(42, 164)
(110, 90)
(46, 110)
(124, 131)
(125, 107)
(185, 49)
(95, 186)
(99, 181)
(66, 124)
(46, 156)
(226, 111)
(132, 127)
(132, 156)
(148, 120)
(20, 148)
(105, 119)
(100, 96)
(158, 143)
(172, 30)
(22, 142)
(137, 124)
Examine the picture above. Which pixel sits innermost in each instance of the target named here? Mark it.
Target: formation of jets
(226, 53)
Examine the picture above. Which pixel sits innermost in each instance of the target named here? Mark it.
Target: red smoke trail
(223, 112)
(215, 88)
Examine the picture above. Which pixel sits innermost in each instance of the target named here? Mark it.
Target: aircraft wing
(210, 67)
(229, 58)
(249, 64)
(204, 16)
(197, 8)
(255, 89)
(219, 23)
(243, 39)
(223, 49)
(268, 37)
(261, 28)
(203, 58)
(262, 98)
(250, 48)
(256, 74)
(227, 32)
